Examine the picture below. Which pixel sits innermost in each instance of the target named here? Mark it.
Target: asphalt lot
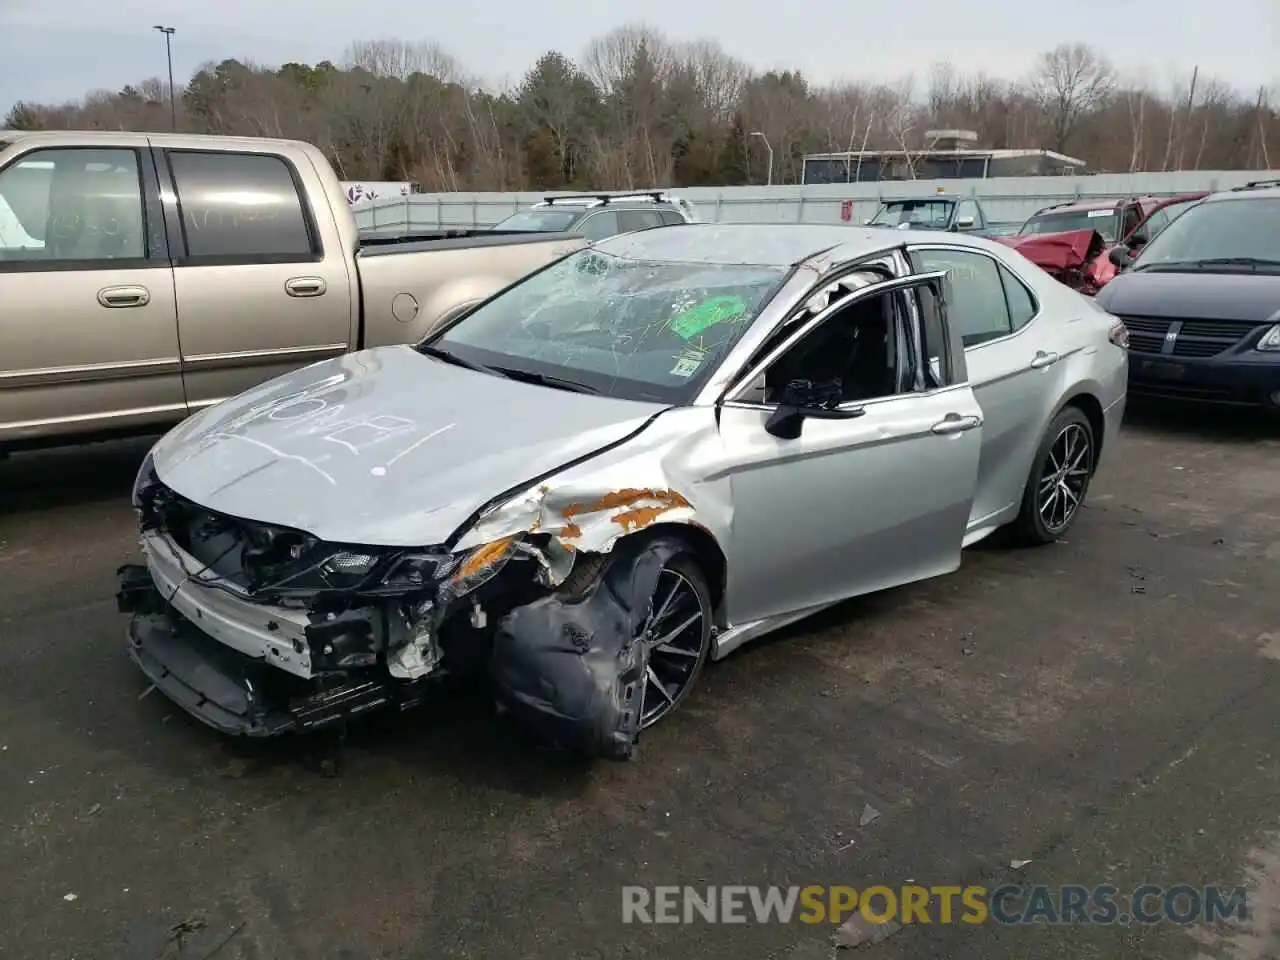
(1105, 708)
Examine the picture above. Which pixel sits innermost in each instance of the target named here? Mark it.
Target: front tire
(677, 630)
(1059, 479)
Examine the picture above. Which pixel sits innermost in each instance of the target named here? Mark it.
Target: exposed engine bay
(259, 630)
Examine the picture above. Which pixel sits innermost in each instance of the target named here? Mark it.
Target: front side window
(1173, 211)
(76, 206)
(1223, 235)
(861, 352)
(241, 205)
(969, 209)
(978, 308)
(625, 328)
(1106, 222)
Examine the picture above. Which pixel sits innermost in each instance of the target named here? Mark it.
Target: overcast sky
(53, 50)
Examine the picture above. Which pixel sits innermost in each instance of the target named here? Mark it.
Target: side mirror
(1137, 240)
(803, 400)
(964, 223)
(1120, 255)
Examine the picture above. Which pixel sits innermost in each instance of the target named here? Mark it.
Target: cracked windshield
(626, 328)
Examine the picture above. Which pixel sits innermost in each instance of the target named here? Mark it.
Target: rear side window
(978, 305)
(239, 206)
(598, 226)
(640, 219)
(670, 217)
(1022, 305)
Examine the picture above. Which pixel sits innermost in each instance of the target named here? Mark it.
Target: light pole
(757, 133)
(168, 52)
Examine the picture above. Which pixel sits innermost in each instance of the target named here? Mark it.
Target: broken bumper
(228, 690)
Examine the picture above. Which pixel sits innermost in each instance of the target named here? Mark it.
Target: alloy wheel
(1064, 478)
(675, 632)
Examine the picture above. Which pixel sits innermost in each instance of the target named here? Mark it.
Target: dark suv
(600, 215)
(1202, 302)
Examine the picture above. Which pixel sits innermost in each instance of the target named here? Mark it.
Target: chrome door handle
(1043, 360)
(124, 296)
(954, 423)
(304, 287)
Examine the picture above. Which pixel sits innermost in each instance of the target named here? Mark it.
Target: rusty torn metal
(592, 524)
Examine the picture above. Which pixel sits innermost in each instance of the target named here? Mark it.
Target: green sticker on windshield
(693, 321)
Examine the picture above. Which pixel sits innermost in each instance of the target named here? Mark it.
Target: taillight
(1119, 335)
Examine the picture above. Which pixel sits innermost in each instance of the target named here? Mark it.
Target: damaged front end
(259, 630)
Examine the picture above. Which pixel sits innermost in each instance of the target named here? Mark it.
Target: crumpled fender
(570, 669)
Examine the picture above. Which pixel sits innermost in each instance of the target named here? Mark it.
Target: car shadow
(1196, 422)
(64, 476)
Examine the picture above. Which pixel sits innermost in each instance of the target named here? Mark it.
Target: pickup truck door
(870, 495)
(258, 294)
(88, 328)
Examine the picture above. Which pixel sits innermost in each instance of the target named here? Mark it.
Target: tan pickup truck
(145, 276)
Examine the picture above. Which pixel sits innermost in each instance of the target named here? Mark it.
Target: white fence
(1003, 199)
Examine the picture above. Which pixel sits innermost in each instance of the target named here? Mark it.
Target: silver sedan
(624, 465)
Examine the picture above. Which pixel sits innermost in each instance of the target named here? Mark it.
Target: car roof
(766, 244)
(1245, 193)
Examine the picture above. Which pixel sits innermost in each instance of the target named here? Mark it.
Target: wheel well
(707, 551)
(1088, 404)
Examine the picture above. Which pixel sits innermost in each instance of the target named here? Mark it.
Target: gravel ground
(1104, 708)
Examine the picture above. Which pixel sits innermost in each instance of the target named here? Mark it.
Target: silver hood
(385, 447)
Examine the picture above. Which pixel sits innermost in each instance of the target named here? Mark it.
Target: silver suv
(600, 215)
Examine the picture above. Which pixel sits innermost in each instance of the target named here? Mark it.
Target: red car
(1073, 240)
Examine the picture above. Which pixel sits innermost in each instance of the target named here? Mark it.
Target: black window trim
(894, 287)
(182, 256)
(148, 193)
(957, 248)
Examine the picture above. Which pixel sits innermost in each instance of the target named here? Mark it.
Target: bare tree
(1070, 80)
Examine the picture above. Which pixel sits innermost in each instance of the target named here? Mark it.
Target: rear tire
(1059, 479)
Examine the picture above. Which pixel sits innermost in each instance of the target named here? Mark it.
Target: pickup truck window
(77, 206)
(624, 328)
(241, 206)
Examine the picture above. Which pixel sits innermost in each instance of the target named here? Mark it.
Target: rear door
(871, 494)
(257, 293)
(1013, 370)
(88, 329)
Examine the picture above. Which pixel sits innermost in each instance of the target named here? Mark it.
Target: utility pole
(168, 52)
(757, 133)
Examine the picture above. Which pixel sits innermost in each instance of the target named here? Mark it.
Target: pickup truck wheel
(678, 633)
(1059, 479)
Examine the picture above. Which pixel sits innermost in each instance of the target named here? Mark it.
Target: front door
(876, 489)
(88, 329)
(257, 294)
